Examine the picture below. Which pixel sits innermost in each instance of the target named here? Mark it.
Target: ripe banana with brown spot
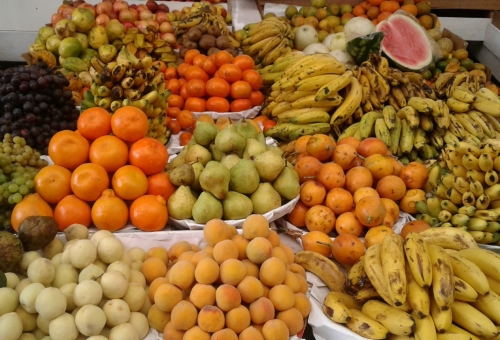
(442, 277)
(396, 321)
(472, 320)
(373, 268)
(322, 267)
(418, 259)
(365, 326)
(393, 266)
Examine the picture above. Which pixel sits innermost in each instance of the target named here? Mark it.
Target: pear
(244, 177)
(269, 165)
(215, 179)
(198, 168)
(204, 133)
(253, 148)
(230, 160)
(230, 140)
(178, 160)
(236, 206)
(275, 149)
(206, 208)
(265, 199)
(216, 153)
(180, 204)
(198, 153)
(287, 183)
(246, 129)
(261, 138)
(182, 175)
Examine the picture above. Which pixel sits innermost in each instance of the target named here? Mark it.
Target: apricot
(202, 295)
(224, 334)
(157, 318)
(266, 291)
(171, 333)
(259, 249)
(293, 320)
(304, 286)
(238, 319)
(272, 272)
(209, 249)
(227, 297)
(292, 281)
(196, 333)
(224, 250)
(282, 297)
(181, 274)
(154, 286)
(261, 310)
(186, 256)
(242, 244)
(255, 226)
(207, 271)
(252, 268)
(274, 238)
(289, 253)
(211, 319)
(158, 252)
(233, 230)
(167, 296)
(200, 255)
(297, 269)
(280, 253)
(302, 304)
(216, 230)
(232, 271)
(183, 315)
(195, 248)
(250, 289)
(258, 327)
(275, 330)
(251, 333)
(177, 249)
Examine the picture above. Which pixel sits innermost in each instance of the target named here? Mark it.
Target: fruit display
(218, 83)
(234, 172)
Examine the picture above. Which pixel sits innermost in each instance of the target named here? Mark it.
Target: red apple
(135, 14)
(222, 12)
(68, 12)
(128, 24)
(119, 5)
(104, 8)
(163, 8)
(113, 15)
(145, 15)
(166, 27)
(77, 3)
(161, 17)
(55, 18)
(134, 6)
(169, 38)
(125, 15)
(102, 20)
(141, 7)
(152, 5)
(88, 6)
(60, 9)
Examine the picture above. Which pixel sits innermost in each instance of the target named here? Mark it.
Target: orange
(170, 73)
(186, 119)
(31, 205)
(182, 68)
(174, 85)
(257, 98)
(129, 182)
(195, 72)
(199, 59)
(163, 66)
(185, 137)
(376, 235)
(129, 123)
(196, 88)
(174, 126)
(175, 100)
(253, 78)
(230, 73)
(149, 213)
(72, 210)
(190, 55)
(52, 183)
(217, 87)
(149, 155)
(416, 226)
(195, 104)
(183, 92)
(153, 268)
(172, 112)
(109, 212)
(159, 184)
(68, 149)
(209, 66)
(244, 62)
(94, 123)
(240, 90)
(222, 58)
(110, 152)
(88, 181)
(268, 124)
(239, 105)
(217, 104)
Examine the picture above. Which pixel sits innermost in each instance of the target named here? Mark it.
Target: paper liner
(251, 113)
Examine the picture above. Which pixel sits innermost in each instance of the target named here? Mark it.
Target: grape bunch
(19, 164)
(34, 104)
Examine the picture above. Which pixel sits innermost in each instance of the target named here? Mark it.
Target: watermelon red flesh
(405, 42)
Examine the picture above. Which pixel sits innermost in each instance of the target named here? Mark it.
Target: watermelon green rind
(362, 47)
(405, 43)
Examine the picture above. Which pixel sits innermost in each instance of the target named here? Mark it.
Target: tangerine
(53, 183)
(71, 210)
(129, 124)
(109, 212)
(94, 123)
(159, 184)
(110, 152)
(244, 62)
(88, 181)
(129, 182)
(68, 149)
(149, 213)
(149, 155)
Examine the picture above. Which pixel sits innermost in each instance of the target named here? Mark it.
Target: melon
(405, 43)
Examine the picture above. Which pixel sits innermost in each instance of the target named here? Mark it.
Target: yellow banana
(334, 86)
(453, 336)
(322, 267)
(346, 299)
(398, 95)
(377, 81)
(470, 124)
(309, 101)
(491, 178)
(473, 320)
(315, 83)
(442, 277)
(291, 96)
(373, 268)
(349, 105)
(464, 291)
(395, 135)
(382, 132)
(336, 310)
(396, 321)
(389, 114)
(483, 122)
(368, 123)
(469, 272)
(410, 114)
(487, 106)
(442, 318)
(457, 106)
(355, 275)
(406, 141)
(455, 329)
(424, 328)
(393, 266)
(287, 116)
(366, 293)
(420, 105)
(365, 326)
(463, 95)
(418, 259)
(313, 116)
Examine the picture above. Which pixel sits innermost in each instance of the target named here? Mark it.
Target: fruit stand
(272, 170)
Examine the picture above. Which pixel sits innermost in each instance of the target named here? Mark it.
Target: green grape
(26, 156)
(3, 178)
(11, 199)
(4, 161)
(7, 169)
(20, 170)
(14, 174)
(6, 223)
(23, 189)
(1, 190)
(30, 183)
(7, 150)
(13, 187)
(17, 197)
(17, 140)
(19, 180)
(6, 194)
(32, 162)
(19, 158)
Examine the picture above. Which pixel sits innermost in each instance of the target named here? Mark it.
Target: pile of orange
(353, 188)
(379, 10)
(107, 173)
(220, 83)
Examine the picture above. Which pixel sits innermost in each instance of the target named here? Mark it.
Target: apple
(102, 20)
(125, 16)
(152, 5)
(135, 14)
(145, 14)
(163, 8)
(169, 38)
(88, 6)
(128, 24)
(119, 5)
(221, 11)
(166, 27)
(161, 17)
(60, 9)
(104, 8)
(134, 6)
(141, 7)
(113, 15)
(68, 12)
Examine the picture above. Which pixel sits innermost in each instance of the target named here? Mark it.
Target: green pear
(206, 208)
(230, 140)
(253, 148)
(204, 133)
(275, 149)
(261, 138)
(287, 183)
(182, 175)
(198, 153)
(215, 179)
(180, 204)
(230, 160)
(178, 160)
(216, 153)
(246, 129)
(236, 206)
(244, 177)
(198, 168)
(269, 165)
(265, 199)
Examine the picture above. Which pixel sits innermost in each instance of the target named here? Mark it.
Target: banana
(486, 260)
(310, 101)
(420, 105)
(468, 198)
(350, 104)
(382, 132)
(356, 273)
(487, 94)
(118, 72)
(454, 336)
(366, 89)
(377, 81)
(396, 321)
(419, 138)
(494, 285)
(103, 91)
(310, 129)
(389, 115)
(434, 173)
(483, 122)
(323, 268)
(393, 265)
(373, 268)
(479, 236)
(477, 189)
(115, 105)
(443, 118)
(475, 175)
(132, 94)
(424, 328)
(151, 96)
(97, 64)
(463, 95)
(442, 277)
(493, 192)
(383, 67)
(316, 69)
(470, 162)
(287, 116)
(281, 65)
(365, 326)
(141, 103)
(395, 135)
(464, 147)
(270, 78)
(262, 34)
(426, 123)
(291, 96)
(489, 305)
(406, 140)
(350, 131)
(464, 291)
(365, 294)
(334, 86)
(270, 45)
(473, 320)
(449, 206)
(455, 329)
(469, 272)
(491, 178)
(485, 162)
(456, 80)
(470, 124)
(336, 310)
(456, 127)
(315, 83)
(280, 49)
(410, 114)
(368, 122)
(492, 227)
(398, 96)
(457, 106)
(140, 77)
(346, 299)
(105, 102)
(487, 106)
(313, 116)
(442, 318)
(486, 215)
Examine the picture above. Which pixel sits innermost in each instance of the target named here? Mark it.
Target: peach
(202, 295)
(158, 318)
(208, 249)
(158, 252)
(289, 253)
(154, 286)
(282, 297)
(232, 271)
(302, 304)
(280, 253)
(297, 269)
(211, 319)
(292, 281)
(274, 238)
(207, 271)
(238, 319)
(171, 333)
(181, 274)
(184, 315)
(177, 249)
(167, 296)
(225, 250)
(272, 272)
(261, 310)
(224, 334)
(250, 289)
(186, 256)
(196, 333)
(227, 297)
(200, 255)
(259, 249)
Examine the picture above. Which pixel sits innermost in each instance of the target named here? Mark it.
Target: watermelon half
(405, 43)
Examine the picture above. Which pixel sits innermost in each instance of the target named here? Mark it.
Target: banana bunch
(464, 191)
(147, 41)
(267, 40)
(130, 82)
(433, 285)
(205, 17)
